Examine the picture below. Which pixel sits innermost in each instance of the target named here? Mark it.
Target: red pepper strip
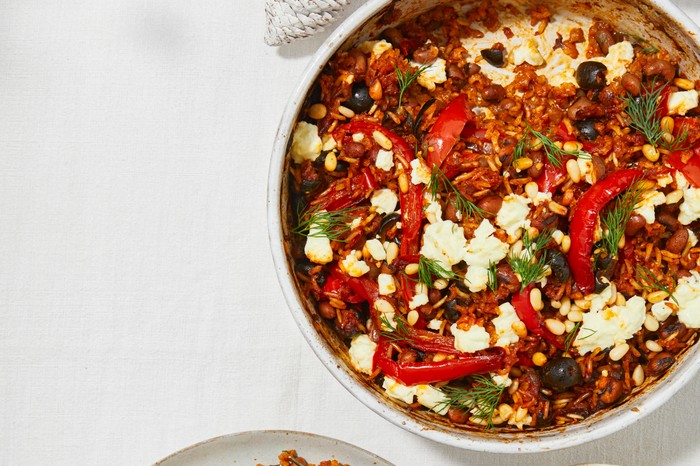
(341, 193)
(582, 227)
(447, 129)
(663, 102)
(429, 341)
(532, 319)
(691, 167)
(414, 373)
(368, 128)
(549, 180)
(338, 287)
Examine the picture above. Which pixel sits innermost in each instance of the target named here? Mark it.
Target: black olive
(308, 186)
(387, 222)
(561, 373)
(321, 278)
(451, 313)
(558, 263)
(341, 166)
(419, 118)
(359, 101)
(587, 129)
(600, 285)
(303, 267)
(495, 57)
(320, 161)
(591, 75)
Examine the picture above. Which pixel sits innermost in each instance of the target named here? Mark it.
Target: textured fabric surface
(140, 310)
(288, 20)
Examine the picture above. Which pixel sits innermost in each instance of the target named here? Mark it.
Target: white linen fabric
(288, 20)
(140, 312)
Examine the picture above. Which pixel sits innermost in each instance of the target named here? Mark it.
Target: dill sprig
(527, 265)
(430, 269)
(317, 223)
(493, 277)
(650, 282)
(395, 332)
(554, 153)
(592, 332)
(615, 220)
(570, 337)
(481, 398)
(406, 78)
(439, 181)
(647, 46)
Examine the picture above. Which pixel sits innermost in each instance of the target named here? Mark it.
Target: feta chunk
(352, 266)
(501, 380)
(435, 324)
(611, 325)
(476, 278)
(661, 311)
(649, 200)
(687, 293)
(444, 242)
(433, 209)
(384, 200)
(679, 103)
(527, 52)
(329, 143)
(385, 160)
(473, 339)
(375, 47)
(419, 172)
(432, 75)
(481, 251)
(504, 325)
(432, 398)
(420, 298)
(690, 208)
(306, 143)
(361, 353)
(386, 283)
(618, 59)
(397, 390)
(513, 214)
(318, 247)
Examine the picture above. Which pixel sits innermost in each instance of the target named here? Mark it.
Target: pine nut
(520, 414)
(412, 269)
(382, 140)
(621, 243)
(505, 411)
(403, 182)
(384, 306)
(668, 138)
(557, 236)
(421, 288)
(555, 326)
(439, 357)
(539, 359)
(531, 190)
(685, 84)
(650, 152)
(536, 299)
(653, 346)
(565, 306)
(317, 111)
(519, 328)
(667, 124)
(536, 144)
(572, 146)
(346, 112)
(573, 170)
(392, 252)
(565, 244)
(620, 300)
(646, 185)
(440, 284)
(375, 90)
(555, 304)
(523, 163)
(569, 326)
(412, 317)
(619, 351)
(583, 303)
(650, 323)
(657, 296)
(331, 162)
(638, 375)
(557, 208)
(575, 316)
(514, 387)
(674, 196)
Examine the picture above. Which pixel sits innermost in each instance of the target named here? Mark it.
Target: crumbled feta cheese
(432, 398)
(664, 180)
(385, 160)
(355, 223)
(354, 267)
(386, 283)
(306, 144)
(376, 47)
(649, 200)
(476, 278)
(473, 339)
(504, 325)
(541, 197)
(385, 201)
(501, 380)
(358, 137)
(435, 324)
(376, 250)
(680, 102)
(480, 252)
(585, 166)
(361, 353)
(619, 57)
(318, 247)
(600, 300)
(690, 208)
(661, 311)
(687, 293)
(398, 391)
(329, 143)
(433, 209)
(420, 298)
(611, 325)
(432, 75)
(513, 214)
(692, 238)
(444, 242)
(419, 172)
(527, 52)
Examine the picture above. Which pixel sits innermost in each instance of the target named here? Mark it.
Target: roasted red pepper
(414, 373)
(343, 193)
(447, 129)
(582, 227)
(336, 287)
(532, 319)
(368, 128)
(551, 177)
(687, 161)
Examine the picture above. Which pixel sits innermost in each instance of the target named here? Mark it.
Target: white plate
(264, 446)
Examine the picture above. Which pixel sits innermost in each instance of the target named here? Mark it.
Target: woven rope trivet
(288, 20)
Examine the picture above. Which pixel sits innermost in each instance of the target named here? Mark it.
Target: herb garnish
(593, 332)
(615, 220)
(406, 78)
(481, 398)
(317, 223)
(647, 47)
(554, 153)
(650, 282)
(493, 277)
(527, 265)
(438, 181)
(570, 337)
(395, 332)
(430, 269)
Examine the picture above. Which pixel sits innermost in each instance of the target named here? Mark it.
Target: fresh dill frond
(439, 181)
(590, 334)
(570, 337)
(643, 111)
(554, 153)
(615, 219)
(650, 282)
(481, 398)
(406, 78)
(397, 332)
(520, 148)
(317, 223)
(678, 142)
(493, 277)
(527, 265)
(647, 47)
(430, 270)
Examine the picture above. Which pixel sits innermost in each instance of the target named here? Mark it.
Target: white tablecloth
(140, 311)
